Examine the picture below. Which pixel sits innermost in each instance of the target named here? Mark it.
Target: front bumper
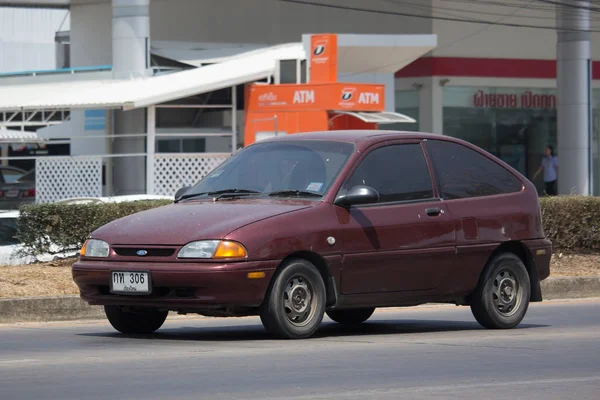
(178, 286)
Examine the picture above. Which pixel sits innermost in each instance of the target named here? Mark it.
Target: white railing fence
(173, 171)
(59, 178)
(63, 177)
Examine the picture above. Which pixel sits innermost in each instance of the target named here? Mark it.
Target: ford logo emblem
(141, 252)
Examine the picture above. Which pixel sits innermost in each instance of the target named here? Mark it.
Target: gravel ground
(54, 278)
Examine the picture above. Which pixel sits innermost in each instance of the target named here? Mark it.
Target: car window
(10, 176)
(8, 231)
(28, 177)
(398, 172)
(465, 173)
(303, 165)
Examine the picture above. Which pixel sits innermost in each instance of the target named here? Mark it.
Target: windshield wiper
(221, 193)
(299, 193)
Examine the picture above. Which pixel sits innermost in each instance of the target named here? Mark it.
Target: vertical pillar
(150, 148)
(431, 105)
(131, 36)
(234, 131)
(573, 96)
(130, 47)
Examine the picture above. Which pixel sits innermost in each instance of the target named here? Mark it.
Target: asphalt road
(416, 353)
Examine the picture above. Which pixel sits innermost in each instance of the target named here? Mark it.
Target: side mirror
(181, 192)
(358, 195)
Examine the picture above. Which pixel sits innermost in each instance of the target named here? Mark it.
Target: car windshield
(303, 168)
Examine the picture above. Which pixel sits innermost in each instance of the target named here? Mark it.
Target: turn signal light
(82, 252)
(227, 249)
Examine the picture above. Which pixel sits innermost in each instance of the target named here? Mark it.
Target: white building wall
(27, 38)
(459, 39)
(91, 34)
(272, 21)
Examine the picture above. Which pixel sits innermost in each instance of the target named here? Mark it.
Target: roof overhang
(359, 53)
(140, 92)
(36, 3)
(379, 117)
(13, 136)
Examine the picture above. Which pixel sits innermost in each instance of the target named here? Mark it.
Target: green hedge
(43, 227)
(571, 222)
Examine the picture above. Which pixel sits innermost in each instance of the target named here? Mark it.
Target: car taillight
(29, 193)
(1, 194)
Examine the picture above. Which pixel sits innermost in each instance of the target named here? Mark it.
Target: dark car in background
(18, 191)
(9, 174)
(341, 223)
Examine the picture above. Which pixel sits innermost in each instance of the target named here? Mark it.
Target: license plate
(11, 194)
(129, 282)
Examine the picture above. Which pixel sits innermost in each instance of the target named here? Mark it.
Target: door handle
(434, 212)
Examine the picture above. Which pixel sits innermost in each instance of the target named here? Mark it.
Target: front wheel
(502, 295)
(295, 305)
(351, 316)
(146, 321)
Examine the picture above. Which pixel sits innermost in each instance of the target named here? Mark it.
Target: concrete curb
(69, 308)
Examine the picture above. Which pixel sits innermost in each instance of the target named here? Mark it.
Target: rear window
(28, 177)
(465, 173)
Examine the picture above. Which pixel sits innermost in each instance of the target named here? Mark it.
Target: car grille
(151, 252)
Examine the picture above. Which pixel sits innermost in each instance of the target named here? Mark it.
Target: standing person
(550, 167)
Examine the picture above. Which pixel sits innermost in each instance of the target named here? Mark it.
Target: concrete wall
(27, 38)
(272, 21)
(91, 34)
(459, 39)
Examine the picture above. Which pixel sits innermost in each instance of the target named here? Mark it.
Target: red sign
(526, 99)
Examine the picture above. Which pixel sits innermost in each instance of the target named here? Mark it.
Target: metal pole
(233, 119)
(573, 54)
(150, 149)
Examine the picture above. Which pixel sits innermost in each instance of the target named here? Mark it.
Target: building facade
(491, 80)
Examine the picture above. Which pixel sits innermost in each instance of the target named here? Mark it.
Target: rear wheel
(146, 321)
(502, 296)
(351, 316)
(295, 305)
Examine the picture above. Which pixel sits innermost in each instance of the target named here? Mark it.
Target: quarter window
(465, 173)
(397, 172)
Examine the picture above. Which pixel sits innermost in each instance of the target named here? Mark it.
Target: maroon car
(337, 222)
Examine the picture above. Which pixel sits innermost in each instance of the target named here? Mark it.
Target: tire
(295, 304)
(352, 316)
(135, 322)
(501, 298)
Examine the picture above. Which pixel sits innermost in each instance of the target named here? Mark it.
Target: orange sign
(323, 58)
(313, 97)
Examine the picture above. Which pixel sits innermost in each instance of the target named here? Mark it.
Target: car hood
(178, 224)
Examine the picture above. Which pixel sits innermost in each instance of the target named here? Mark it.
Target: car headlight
(95, 248)
(212, 249)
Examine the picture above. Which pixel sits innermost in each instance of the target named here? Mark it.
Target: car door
(405, 241)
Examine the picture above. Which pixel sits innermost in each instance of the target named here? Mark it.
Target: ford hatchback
(336, 223)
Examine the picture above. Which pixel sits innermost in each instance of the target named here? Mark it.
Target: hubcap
(297, 300)
(505, 293)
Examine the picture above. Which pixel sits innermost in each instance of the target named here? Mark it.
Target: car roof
(10, 167)
(356, 136)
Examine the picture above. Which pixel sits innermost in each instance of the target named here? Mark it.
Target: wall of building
(272, 21)
(27, 38)
(459, 39)
(91, 34)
